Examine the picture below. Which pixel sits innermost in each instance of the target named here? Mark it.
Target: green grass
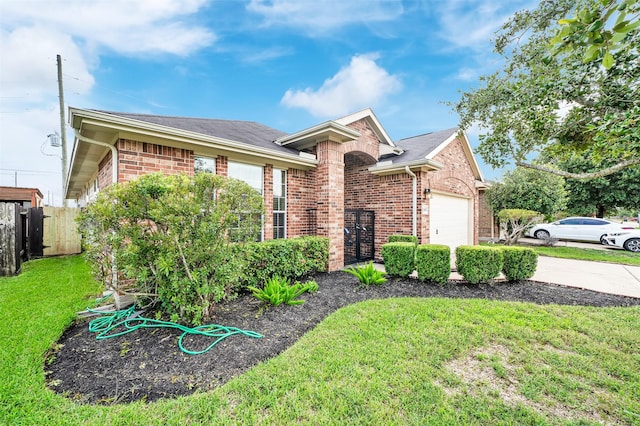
(396, 361)
(610, 256)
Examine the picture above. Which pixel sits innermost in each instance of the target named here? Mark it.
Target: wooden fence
(11, 241)
(60, 232)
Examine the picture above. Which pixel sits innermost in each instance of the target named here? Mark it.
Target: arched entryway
(359, 208)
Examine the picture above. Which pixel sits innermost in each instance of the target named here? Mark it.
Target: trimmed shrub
(520, 263)
(478, 264)
(433, 262)
(287, 258)
(399, 258)
(403, 239)
(165, 240)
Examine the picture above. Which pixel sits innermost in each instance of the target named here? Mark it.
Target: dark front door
(358, 235)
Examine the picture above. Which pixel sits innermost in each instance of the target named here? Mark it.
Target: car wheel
(632, 244)
(541, 234)
(603, 240)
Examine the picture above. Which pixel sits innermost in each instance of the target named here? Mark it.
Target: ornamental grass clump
(278, 290)
(367, 274)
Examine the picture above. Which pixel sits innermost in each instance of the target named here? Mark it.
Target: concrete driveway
(597, 276)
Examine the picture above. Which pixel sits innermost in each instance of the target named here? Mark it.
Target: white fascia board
(319, 129)
(387, 167)
(118, 123)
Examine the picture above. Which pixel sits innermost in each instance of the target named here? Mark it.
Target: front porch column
(330, 187)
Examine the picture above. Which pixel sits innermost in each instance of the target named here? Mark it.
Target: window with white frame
(253, 175)
(204, 164)
(279, 203)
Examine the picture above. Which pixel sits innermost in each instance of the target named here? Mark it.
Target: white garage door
(451, 219)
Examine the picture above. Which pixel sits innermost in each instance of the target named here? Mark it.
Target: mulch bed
(148, 365)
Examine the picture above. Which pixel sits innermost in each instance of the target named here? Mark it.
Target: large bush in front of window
(166, 240)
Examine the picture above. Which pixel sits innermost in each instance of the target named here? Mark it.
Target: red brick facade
(317, 199)
(137, 158)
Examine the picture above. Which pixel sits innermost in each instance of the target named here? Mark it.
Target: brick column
(330, 187)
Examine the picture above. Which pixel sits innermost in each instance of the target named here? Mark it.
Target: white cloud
(32, 34)
(360, 84)
(124, 26)
(320, 17)
(473, 23)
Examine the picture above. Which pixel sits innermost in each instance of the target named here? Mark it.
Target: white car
(628, 240)
(577, 228)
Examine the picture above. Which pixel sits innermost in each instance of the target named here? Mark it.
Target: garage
(450, 222)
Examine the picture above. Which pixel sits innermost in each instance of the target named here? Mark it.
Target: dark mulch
(147, 364)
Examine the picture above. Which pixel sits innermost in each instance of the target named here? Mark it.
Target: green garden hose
(108, 325)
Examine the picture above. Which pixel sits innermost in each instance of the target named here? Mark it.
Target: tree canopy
(600, 196)
(528, 189)
(570, 84)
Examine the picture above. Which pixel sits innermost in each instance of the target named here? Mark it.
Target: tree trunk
(600, 211)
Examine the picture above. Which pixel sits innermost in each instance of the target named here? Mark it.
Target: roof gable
(371, 119)
(421, 150)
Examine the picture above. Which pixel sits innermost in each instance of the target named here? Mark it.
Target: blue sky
(288, 64)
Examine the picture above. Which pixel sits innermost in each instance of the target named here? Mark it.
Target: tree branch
(583, 176)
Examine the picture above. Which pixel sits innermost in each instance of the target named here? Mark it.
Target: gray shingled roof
(418, 147)
(248, 132)
(256, 134)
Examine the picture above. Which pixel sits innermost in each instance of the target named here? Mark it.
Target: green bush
(403, 239)
(367, 274)
(399, 258)
(520, 263)
(433, 262)
(166, 240)
(288, 258)
(478, 264)
(278, 290)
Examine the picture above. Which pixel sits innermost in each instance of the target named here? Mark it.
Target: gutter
(114, 153)
(414, 199)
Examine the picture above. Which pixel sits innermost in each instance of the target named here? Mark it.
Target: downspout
(114, 153)
(414, 200)
(114, 179)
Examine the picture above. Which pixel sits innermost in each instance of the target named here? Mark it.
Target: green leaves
(167, 237)
(278, 290)
(563, 85)
(367, 274)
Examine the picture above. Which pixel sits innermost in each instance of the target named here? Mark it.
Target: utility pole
(63, 130)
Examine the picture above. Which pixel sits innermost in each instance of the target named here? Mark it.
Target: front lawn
(394, 361)
(610, 255)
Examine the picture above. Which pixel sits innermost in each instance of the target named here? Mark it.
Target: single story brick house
(345, 179)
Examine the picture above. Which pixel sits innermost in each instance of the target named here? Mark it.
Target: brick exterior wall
(138, 158)
(390, 198)
(316, 199)
(222, 166)
(105, 171)
(486, 220)
(330, 190)
(302, 203)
